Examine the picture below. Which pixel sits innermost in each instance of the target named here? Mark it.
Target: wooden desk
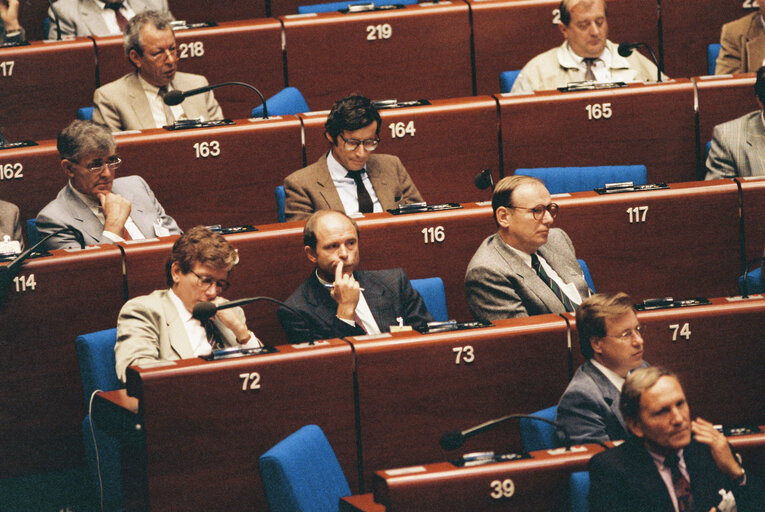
(753, 193)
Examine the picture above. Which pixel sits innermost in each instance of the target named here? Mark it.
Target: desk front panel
(414, 388)
(207, 423)
(195, 11)
(652, 125)
(419, 51)
(753, 192)
(51, 301)
(442, 145)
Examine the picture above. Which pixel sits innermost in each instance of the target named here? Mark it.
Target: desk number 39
(250, 381)
(502, 489)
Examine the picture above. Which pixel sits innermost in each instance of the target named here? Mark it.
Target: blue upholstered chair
(578, 489)
(713, 50)
(301, 474)
(286, 102)
(85, 114)
(280, 198)
(433, 293)
(95, 355)
(337, 6)
(587, 276)
(539, 435)
(753, 282)
(32, 234)
(507, 79)
(576, 179)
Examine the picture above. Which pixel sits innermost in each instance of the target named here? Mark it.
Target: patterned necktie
(212, 335)
(121, 19)
(537, 266)
(365, 200)
(589, 75)
(681, 484)
(169, 118)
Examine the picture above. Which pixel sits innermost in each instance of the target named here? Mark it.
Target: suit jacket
(589, 408)
(9, 222)
(738, 148)
(85, 17)
(499, 284)
(625, 479)
(69, 210)
(122, 105)
(388, 293)
(18, 38)
(311, 188)
(149, 329)
(742, 45)
(555, 68)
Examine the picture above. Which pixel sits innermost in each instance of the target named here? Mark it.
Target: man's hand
(706, 433)
(9, 12)
(232, 320)
(346, 293)
(116, 211)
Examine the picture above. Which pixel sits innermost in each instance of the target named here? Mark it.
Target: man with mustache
(527, 267)
(102, 208)
(136, 101)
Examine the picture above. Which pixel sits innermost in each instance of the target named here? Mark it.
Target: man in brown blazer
(742, 44)
(349, 177)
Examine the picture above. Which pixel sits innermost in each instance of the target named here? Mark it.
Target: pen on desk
(330, 286)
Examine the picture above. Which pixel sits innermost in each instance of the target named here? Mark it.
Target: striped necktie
(537, 266)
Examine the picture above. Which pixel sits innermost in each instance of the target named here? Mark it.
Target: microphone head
(174, 97)
(452, 440)
(625, 49)
(483, 179)
(204, 310)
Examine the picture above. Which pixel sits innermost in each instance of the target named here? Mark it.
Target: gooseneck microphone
(626, 49)
(205, 310)
(175, 97)
(484, 180)
(55, 19)
(454, 439)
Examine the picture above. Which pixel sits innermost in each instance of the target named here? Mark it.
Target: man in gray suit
(527, 267)
(102, 208)
(79, 18)
(738, 146)
(136, 101)
(349, 177)
(611, 338)
(10, 30)
(160, 326)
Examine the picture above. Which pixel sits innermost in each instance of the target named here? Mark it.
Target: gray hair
(82, 138)
(131, 39)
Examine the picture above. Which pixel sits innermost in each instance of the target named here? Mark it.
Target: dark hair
(81, 138)
(565, 9)
(351, 113)
(201, 245)
(309, 231)
(638, 381)
(759, 85)
(592, 313)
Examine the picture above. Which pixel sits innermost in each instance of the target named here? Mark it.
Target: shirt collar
(615, 379)
(336, 169)
(658, 458)
(151, 89)
(184, 313)
(568, 59)
(89, 201)
(526, 257)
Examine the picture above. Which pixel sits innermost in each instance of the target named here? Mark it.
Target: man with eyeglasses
(611, 338)
(349, 177)
(527, 267)
(136, 101)
(102, 208)
(79, 18)
(160, 326)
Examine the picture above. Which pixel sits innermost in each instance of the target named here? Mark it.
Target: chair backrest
(85, 113)
(301, 473)
(433, 293)
(539, 435)
(713, 50)
(587, 276)
(507, 79)
(337, 6)
(285, 102)
(32, 234)
(559, 180)
(280, 198)
(753, 282)
(95, 355)
(578, 489)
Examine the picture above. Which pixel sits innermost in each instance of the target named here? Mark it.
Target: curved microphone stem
(55, 19)
(262, 99)
(745, 290)
(453, 440)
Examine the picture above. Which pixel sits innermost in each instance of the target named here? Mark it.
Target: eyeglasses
(353, 144)
(206, 282)
(629, 333)
(96, 166)
(539, 210)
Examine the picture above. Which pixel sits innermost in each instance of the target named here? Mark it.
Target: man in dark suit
(349, 177)
(670, 463)
(338, 299)
(610, 337)
(527, 267)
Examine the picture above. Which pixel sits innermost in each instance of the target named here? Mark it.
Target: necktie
(121, 19)
(537, 266)
(589, 75)
(212, 335)
(126, 234)
(365, 201)
(681, 484)
(358, 321)
(169, 118)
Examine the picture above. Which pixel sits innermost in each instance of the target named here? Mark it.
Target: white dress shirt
(346, 187)
(569, 289)
(95, 206)
(157, 105)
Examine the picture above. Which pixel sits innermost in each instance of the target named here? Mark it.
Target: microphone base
(483, 458)
(187, 124)
(234, 352)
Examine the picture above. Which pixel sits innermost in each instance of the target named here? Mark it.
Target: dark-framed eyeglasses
(539, 210)
(206, 282)
(353, 144)
(96, 166)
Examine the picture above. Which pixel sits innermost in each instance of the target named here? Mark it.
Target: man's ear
(67, 166)
(635, 427)
(329, 138)
(595, 343)
(311, 254)
(135, 58)
(563, 30)
(175, 271)
(503, 216)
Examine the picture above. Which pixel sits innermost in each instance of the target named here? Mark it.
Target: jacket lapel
(607, 389)
(383, 190)
(327, 187)
(179, 340)
(138, 101)
(92, 17)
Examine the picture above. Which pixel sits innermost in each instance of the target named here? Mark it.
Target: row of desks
(461, 47)
(227, 175)
(385, 401)
(681, 242)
